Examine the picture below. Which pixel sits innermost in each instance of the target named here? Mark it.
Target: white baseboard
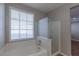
(56, 53)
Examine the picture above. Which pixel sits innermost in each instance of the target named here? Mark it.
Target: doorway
(75, 31)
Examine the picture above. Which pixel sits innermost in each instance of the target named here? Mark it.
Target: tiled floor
(75, 48)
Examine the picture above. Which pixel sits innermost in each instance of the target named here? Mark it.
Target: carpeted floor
(75, 48)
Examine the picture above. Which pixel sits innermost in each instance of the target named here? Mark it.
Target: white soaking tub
(41, 52)
(25, 48)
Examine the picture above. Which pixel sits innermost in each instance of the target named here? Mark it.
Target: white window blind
(21, 25)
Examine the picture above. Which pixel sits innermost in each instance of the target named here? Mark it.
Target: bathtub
(25, 48)
(42, 52)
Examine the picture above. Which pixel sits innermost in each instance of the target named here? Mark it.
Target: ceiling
(44, 7)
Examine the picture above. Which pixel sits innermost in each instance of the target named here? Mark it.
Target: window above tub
(21, 25)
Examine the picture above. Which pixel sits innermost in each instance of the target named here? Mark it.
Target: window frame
(20, 10)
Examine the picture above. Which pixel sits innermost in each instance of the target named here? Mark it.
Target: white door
(55, 36)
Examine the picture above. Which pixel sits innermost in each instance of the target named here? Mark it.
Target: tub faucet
(39, 42)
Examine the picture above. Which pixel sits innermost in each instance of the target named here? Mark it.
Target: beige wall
(38, 15)
(63, 14)
(2, 24)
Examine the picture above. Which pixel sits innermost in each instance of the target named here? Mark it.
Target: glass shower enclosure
(50, 28)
